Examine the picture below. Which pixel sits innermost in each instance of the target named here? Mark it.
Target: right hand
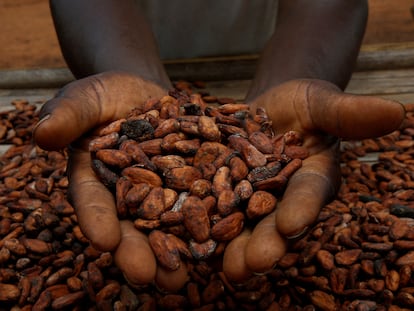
(323, 115)
(72, 118)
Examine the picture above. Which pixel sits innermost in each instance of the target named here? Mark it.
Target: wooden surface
(372, 57)
(393, 84)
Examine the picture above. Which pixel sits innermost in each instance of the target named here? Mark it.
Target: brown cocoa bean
(204, 250)
(323, 300)
(113, 157)
(165, 251)
(238, 169)
(104, 142)
(279, 181)
(196, 218)
(227, 201)
(132, 148)
(260, 204)
(228, 228)
(250, 154)
(212, 291)
(200, 188)
(139, 175)
(392, 280)
(208, 128)
(108, 292)
(347, 257)
(70, 299)
(262, 142)
(244, 190)
(166, 127)
(187, 147)
(325, 259)
(181, 178)
(153, 205)
(9, 292)
(170, 218)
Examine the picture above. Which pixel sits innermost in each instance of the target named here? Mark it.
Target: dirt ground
(28, 39)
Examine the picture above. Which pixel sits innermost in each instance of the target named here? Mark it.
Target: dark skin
(300, 79)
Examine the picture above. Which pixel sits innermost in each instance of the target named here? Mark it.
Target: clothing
(200, 28)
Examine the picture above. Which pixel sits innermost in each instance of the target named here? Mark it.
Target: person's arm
(105, 35)
(299, 83)
(312, 39)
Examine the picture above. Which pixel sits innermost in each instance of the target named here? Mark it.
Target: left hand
(322, 114)
(74, 117)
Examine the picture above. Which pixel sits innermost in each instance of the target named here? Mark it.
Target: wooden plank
(386, 56)
(389, 56)
(392, 84)
(34, 96)
(402, 98)
(372, 57)
(389, 21)
(382, 82)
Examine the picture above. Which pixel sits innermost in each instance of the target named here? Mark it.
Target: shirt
(208, 28)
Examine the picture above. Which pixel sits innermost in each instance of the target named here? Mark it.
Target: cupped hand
(72, 118)
(322, 114)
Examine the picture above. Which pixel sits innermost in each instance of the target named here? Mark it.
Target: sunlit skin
(299, 81)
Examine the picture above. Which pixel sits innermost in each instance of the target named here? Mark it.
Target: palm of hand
(296, 106)
(322, 114)
(75, 114)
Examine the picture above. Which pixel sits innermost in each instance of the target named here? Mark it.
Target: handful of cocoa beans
(193, 175)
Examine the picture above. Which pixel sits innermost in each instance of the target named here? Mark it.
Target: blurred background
(28, 39)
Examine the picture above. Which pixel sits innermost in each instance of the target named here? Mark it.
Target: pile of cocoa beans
(192, 176)
(359, 255)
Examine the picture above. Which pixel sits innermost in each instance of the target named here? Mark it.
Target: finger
(134, 256)
(171, 281)
(312, 186)
(234, 264)
(87, 103)
(265, 246)
(351, 116)
(94, 204)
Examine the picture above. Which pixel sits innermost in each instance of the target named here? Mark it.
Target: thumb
(62, 122)
(353, 116)
(88, 103)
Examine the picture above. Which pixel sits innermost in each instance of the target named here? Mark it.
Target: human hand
(322, 114)
(72, 118)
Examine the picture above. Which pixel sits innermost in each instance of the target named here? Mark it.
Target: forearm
(102, 35)
(312, 39)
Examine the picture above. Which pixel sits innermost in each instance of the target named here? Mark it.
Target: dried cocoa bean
(260, 204)
(196, 218)
(228, 228)
(165, 251)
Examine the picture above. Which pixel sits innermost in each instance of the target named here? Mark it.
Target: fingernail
(134, 285)
(298, 235)
(238, 284)
(266, 272)
(46, 117)
(161, 290)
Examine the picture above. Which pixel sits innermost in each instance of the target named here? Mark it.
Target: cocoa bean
(9, 292)
(196, 218)
(165, 251)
